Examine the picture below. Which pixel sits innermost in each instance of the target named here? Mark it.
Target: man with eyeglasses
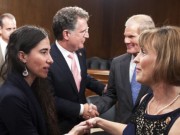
(68, 74)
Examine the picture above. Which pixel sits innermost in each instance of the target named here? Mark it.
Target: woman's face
(145, 61)
(39, 60)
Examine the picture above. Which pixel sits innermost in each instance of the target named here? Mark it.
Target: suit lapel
(82, 66)
(143, 89)
(24, 87)
(80, 58)
(128, 85)
(1, 63)
(63, 66)
(125, 77)
(1, 57)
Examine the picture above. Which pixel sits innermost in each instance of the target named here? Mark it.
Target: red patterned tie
(75, 71)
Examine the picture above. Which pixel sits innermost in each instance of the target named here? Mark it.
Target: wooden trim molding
(100, 75)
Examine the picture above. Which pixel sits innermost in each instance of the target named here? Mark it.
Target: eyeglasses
(84, 32)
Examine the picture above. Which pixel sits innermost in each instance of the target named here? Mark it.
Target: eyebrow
(86, 29)
(44, 49)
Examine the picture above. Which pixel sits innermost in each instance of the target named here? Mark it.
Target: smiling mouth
(138, 70)
(129, 46)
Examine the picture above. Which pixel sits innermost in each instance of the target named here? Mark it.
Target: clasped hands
(90, 111)
(83, 127)
(90, 114)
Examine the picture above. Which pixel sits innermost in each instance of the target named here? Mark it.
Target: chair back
(98, 63)
(109, 114)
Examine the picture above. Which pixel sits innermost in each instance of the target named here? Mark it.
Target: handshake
(90, 111)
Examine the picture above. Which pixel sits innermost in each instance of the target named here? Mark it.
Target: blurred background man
(7, 26)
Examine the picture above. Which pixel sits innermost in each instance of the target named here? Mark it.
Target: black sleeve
(16, 116)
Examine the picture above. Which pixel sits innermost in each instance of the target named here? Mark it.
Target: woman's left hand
(80, 129)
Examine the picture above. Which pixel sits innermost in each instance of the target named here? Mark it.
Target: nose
(126, 40)
(12, 30)
(50, 60)
(136, 59)
(86, 35)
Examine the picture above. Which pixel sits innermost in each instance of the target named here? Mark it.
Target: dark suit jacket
(119, 89)
(20, 112)
(68, 99)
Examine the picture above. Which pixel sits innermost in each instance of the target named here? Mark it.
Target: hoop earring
(25, 72)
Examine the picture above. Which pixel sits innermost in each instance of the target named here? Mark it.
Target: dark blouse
(20, 111)
(143, 124)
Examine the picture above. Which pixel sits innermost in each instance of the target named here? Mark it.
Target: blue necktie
(135, 87)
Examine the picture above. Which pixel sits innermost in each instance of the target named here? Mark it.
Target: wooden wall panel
(106, 21)
(163, 12)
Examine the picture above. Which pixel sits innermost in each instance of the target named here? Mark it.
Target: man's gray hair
(142, 21)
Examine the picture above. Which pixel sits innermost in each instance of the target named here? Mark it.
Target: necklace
(161, 109)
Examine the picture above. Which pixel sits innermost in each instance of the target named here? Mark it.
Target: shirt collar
(3, 46)
(64, 52)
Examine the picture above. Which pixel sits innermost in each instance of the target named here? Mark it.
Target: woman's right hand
(80, 129)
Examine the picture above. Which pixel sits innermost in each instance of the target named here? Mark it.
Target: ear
(66, 34)
(22, 56)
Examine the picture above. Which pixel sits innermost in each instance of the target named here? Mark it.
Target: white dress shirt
(3, 46)
(65, 54)
(131, 68)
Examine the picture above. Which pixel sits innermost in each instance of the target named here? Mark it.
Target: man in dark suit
(71, 30)
(119, 89)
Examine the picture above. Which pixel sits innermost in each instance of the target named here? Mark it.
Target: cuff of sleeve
(81, 109)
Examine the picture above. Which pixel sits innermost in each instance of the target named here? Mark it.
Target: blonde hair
(166, 43)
